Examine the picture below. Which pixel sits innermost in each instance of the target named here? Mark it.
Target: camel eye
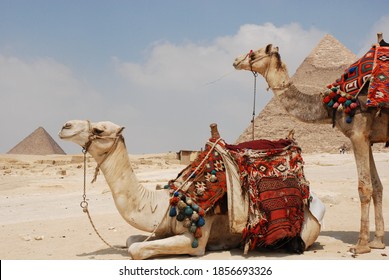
(67, 126)
(97, 131)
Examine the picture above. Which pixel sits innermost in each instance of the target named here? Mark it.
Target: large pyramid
(37, 143)
(323, 65)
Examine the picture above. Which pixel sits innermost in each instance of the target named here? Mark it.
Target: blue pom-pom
(176, 194)
(331, 103)
(195, 243)
(173, 212)
(349, 119)
(201, 222)
(213, 172)
(188, 211)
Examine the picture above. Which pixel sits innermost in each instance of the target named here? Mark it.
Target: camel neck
(133, 201)
(303, 106)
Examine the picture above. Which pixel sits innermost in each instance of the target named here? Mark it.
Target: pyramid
(324, 64)
(37, 143)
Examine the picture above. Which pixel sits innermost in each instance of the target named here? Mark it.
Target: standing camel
(368, 126)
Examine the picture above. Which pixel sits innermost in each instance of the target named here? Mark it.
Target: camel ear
(269, 48)
(119, 131)
(276, 49)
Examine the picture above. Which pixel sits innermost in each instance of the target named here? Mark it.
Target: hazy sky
(162, 69)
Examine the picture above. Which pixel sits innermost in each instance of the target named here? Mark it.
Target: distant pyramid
(323, 65)
(37, 143)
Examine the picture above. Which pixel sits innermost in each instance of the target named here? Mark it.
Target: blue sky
(162, 69)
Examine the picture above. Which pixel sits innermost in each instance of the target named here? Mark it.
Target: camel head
(97, 138)
(259, 60)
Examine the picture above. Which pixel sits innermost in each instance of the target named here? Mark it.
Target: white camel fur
(366, 128)
(146, 209)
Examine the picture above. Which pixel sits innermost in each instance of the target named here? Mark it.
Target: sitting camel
(146, 209)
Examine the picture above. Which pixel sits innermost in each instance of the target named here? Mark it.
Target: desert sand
(41, 218)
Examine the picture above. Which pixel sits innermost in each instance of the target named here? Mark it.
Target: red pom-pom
(327, 99)
(201, 212)
(332, 94)
(174, 200)
(198, 233)
(342, 100)
(347, 110)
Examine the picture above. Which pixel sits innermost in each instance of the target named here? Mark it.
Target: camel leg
(378, 242)
(361, 148)
(175, 245)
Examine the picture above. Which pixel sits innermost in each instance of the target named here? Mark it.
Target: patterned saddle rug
(271, 176)
(371, 69)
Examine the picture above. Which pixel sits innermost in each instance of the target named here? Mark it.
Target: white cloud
(41, 92)
(382, 25)
(187, 86)
(166, 102)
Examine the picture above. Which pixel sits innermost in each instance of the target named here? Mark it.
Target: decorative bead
(201, 212)
(353, 105)
(173, 211)
(201, 222)
(349, 119)
(213, 172)
(213, 179)
(195, 216)
(195, 243)
(187, 223)
(326, 99)
(331, 103)
(342, 99)
(176, 194)
(180, 217)
(336, 105)
(193, 228)
(195, 207)
(348, 102)
(181, 205)
(188, 211)
(189, 201)
(174, 200)
(166, 187)
(198, 233)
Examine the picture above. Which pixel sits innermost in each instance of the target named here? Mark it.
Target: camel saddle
(260, 184)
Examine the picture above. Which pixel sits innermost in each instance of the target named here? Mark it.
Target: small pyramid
(322, 66)
(37, 143)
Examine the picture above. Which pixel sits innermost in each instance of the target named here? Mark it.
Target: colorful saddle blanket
(272, 177)
(372, 68)
(275, 182)
(378, 94)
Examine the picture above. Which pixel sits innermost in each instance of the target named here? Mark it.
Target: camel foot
(377, 244)
(360, 249)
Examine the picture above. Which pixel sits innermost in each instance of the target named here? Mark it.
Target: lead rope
(84, 206)
(255, 91)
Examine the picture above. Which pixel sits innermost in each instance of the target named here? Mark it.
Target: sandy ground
(40, 216)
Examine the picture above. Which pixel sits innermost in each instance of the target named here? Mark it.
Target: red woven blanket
(378, 94)
(272, 176)
(275, 182)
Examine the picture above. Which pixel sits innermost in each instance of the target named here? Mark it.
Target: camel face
(103, 134)
(75, 131)
(257, 61)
